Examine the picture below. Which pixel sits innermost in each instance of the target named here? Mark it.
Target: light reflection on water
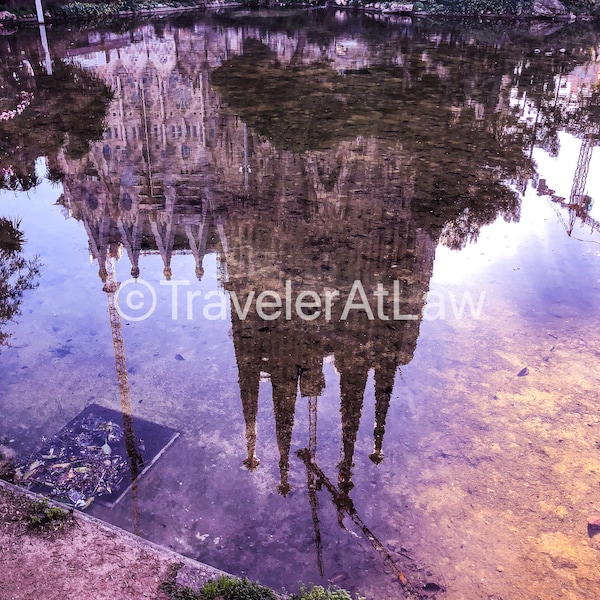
(419, 437)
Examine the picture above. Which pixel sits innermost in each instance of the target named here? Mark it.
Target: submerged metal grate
(100, 454)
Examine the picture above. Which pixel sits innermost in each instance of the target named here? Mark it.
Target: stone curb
(192, 573)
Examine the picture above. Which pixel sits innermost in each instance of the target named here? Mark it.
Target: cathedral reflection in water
(180, 171)
(177, 174)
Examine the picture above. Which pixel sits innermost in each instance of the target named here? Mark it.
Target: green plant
(7, 455)
(11, 236)
(17, 275)
(104, 10)
(185, 593)
(40, 515)
(172, 590)
(224, 588)
(234, 588)
(320, 593)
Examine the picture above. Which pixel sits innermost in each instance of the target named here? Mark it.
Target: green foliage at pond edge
(101, 10)
(235, 588)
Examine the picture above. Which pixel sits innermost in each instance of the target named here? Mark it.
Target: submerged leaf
(33, 467)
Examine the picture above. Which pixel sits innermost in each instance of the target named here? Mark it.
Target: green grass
(41, 516)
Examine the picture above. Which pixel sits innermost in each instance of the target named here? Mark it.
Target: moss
(41, 516)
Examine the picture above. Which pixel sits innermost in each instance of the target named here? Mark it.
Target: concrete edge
(192, 572)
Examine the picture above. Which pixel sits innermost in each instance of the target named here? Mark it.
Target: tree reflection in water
(17, 273)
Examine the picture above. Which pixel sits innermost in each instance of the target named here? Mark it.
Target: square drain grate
(97, 455)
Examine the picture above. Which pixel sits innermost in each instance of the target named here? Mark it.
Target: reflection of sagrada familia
(176, 173)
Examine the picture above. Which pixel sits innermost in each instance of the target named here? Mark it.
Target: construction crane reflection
(579, 202)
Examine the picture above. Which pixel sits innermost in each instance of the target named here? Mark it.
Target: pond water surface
(360, 276)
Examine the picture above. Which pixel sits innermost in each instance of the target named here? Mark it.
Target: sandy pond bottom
(487, 485)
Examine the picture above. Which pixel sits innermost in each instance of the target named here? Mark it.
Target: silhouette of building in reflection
(177, 174)
(355, 232)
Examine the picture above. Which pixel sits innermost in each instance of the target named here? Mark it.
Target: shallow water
(426, 185)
